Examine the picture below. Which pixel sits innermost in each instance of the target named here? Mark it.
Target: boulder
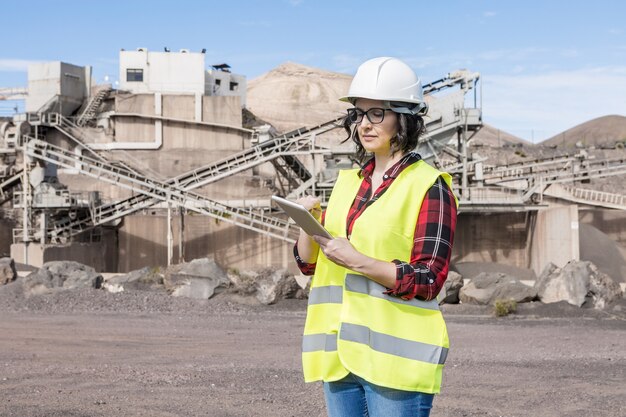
(201, 278)
(449, 294)
(486, 288)
(268, 285)
(8, 272)
(143, 279)
(66, 275)
(580, 283)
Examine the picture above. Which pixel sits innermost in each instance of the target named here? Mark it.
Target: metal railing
(597, 196)
(153, 189)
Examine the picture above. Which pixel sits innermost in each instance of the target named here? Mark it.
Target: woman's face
(376, 138)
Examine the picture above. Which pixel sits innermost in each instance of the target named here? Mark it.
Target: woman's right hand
(312, 204)
(307, 248)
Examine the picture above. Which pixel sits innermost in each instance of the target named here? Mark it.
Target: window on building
(134, 75)
(234, 86)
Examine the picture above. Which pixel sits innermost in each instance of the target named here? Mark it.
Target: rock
(579, 283)
(201, 278)
(486, 288)
(603, 290)
(66, 275)
(449, 294)
(37, 283)
(304, 281)
(8, 272)
(143, 279)
(268, 285)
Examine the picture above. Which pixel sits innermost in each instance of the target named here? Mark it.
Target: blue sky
(546, 65)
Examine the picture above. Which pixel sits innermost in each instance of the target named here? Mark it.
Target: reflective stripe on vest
(314, 342)
(364, 285)
(393, 345)
(320, 360)
(326, 294)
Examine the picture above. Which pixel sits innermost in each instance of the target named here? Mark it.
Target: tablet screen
(302, 217)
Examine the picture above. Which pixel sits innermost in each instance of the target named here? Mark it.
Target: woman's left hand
(339, 250)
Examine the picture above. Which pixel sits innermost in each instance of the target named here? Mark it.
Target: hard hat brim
(354, 97)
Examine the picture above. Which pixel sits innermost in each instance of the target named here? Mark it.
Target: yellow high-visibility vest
(351, 325)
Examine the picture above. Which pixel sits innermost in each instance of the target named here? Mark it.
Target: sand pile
(293, 95)
(597, 247)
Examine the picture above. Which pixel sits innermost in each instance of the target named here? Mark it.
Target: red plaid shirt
(424, 274)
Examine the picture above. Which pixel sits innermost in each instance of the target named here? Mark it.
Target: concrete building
(57, 87)
(221, 82)
(142, 71)
(182, 72)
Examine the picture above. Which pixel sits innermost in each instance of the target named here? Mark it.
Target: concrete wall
(172, 72)
(495, 237)
(224, 110)
(185, 146)
(143, 242)
(102, 256)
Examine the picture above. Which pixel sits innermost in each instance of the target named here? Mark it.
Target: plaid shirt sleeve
(424, 275)
(305, 268)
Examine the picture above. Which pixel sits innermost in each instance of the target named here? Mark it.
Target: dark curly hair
(411, 127)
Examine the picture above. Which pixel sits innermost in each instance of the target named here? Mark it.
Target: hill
(294, 95)
(603, 131)
(494, 137)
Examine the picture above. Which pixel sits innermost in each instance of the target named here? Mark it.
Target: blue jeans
(355, 397)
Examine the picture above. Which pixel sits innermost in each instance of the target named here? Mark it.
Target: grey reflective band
(363, 285)
(326, 294)
(320, 341)
(392, 345)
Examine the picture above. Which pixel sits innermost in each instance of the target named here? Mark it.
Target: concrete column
(43, 220)
(198, 107)
(158, 111)
(181, 236)
(554, 237)
(170, 235)
(29, 253)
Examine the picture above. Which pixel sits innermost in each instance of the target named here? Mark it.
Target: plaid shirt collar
(368, 168)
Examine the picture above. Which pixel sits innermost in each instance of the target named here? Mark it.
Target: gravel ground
(92, 353)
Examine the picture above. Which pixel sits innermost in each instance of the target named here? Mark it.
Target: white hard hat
(390, 80)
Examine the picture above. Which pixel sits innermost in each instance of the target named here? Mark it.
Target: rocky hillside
(606, 131)
(494, 137)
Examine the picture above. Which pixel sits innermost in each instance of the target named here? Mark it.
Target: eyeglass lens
(374, 115)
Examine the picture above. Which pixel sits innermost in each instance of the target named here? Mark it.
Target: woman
(374, 333)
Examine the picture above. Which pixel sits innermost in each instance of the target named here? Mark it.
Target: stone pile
(579, 283)
(60, 275)
(203, 278)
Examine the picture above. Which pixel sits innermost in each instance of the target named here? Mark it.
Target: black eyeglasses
(375, 115)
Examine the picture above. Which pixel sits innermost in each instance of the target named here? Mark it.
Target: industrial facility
(160, 169)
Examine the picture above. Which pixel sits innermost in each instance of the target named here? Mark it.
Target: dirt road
(89, 353)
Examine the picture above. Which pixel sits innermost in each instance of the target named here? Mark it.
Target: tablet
(302, 217)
